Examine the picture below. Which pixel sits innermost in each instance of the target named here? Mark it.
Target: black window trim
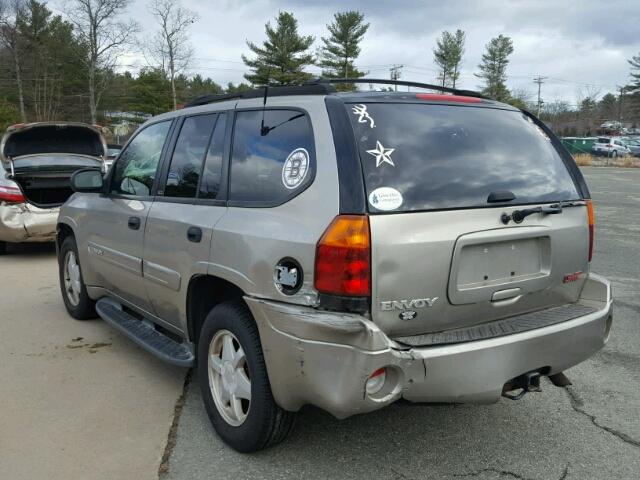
(312, 160)
(221, 200)
(107, 188)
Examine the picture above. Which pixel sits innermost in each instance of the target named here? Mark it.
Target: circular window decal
(385, 199)
(295, 168)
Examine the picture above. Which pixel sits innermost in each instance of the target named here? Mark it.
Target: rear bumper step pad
(145, 335)
(500, 328)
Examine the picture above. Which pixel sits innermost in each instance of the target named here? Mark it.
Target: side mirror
(87, 181)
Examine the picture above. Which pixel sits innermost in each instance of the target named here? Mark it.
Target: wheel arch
(204, 293)
(63, 230)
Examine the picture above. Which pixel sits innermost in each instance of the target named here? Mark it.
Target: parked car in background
(633, 144)
(344, 250)
(36, 163)
(113, 151)
(610, 147)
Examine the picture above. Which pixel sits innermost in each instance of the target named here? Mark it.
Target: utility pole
(620, 104)
(395, 74)
(539, 80)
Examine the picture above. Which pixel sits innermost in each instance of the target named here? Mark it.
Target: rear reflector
(11, 194)
(592, 226)
(343, 258)
(376, 381)
(447, 98)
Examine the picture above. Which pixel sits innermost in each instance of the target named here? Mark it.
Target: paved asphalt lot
(109, 411)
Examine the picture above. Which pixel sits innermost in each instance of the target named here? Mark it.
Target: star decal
(383, 155)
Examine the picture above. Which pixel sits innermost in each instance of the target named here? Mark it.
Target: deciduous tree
(100, 28)
(171, 47)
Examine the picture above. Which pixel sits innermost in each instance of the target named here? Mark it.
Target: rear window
(427, 157)
(602, 140)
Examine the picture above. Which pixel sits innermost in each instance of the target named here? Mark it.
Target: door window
(186, 163)
(272, 158)
(135, 169)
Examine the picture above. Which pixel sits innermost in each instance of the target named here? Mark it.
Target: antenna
(264, 130)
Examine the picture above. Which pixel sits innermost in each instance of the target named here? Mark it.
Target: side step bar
(145, 335)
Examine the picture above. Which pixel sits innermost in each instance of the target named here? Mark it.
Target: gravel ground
(588, 431)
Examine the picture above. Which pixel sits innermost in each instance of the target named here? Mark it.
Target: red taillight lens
(11, 194)
(343, 258)
(592, 226)
(447, 98)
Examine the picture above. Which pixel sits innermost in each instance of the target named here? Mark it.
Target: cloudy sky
(582, 46)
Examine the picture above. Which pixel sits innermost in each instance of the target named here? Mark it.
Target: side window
(135, 169)
(212, 172)
(188, 155)
(272, 164)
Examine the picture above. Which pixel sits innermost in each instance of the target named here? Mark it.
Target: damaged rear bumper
(325, 358)
(24, 222)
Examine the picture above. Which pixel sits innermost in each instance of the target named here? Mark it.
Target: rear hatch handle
(518, 216)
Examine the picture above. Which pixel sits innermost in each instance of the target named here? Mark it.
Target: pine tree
(448, 56)
(282, 57)
(493, 68)
(342, 47)
(635, 73)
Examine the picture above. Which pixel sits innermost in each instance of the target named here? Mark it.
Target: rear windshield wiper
(519, 215)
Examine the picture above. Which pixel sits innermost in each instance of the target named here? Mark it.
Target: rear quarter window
(273, 160)
(430, 157)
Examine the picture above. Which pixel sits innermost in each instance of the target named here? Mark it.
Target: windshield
(426, 157)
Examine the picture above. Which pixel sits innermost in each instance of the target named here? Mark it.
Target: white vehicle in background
(36, 163)
(610, 147)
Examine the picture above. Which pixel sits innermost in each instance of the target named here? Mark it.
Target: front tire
(72, 287)
(234, 383)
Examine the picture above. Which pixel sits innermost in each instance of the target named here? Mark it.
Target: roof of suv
(323, 87)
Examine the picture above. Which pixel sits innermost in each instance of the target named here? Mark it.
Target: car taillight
(592, 225)
(343, 257)
(11, 194)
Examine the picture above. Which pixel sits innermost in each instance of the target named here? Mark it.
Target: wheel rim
(229, 378)
(72, 285)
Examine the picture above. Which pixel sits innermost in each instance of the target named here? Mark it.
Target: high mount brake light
(447, 98)
(592, 227)
(11, 194)
(343, 258)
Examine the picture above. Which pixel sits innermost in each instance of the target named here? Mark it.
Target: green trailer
(577, 145)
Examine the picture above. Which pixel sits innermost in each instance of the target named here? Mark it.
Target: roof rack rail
(276, 91)
(385, 81)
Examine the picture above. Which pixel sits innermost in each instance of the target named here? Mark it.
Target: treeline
(71, 67)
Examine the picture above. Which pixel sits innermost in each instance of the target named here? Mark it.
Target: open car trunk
(439, 178)
(42, 157)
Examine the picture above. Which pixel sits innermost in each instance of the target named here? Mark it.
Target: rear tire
(225, 377)
(72, 287)
(3, 248)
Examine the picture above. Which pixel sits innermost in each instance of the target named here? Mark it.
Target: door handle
(194, 234)
(134, 223)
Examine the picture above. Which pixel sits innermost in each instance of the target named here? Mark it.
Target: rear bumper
(324, 358)
(24, 222)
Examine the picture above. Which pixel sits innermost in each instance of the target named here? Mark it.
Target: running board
(145, 335)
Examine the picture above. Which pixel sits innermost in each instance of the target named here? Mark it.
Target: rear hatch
(42, 157)
(438, 178)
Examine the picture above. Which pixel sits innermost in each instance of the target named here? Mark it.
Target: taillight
(343, 257)
(11, 194)
(592, 225)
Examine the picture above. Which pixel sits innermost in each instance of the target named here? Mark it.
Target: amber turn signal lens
(343, 257)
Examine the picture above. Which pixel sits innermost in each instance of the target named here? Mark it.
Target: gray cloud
(572, 42)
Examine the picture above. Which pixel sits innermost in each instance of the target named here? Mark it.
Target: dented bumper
(324, 358)
(24, 222)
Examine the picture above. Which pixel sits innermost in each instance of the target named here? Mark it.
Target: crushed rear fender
(26, 223)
